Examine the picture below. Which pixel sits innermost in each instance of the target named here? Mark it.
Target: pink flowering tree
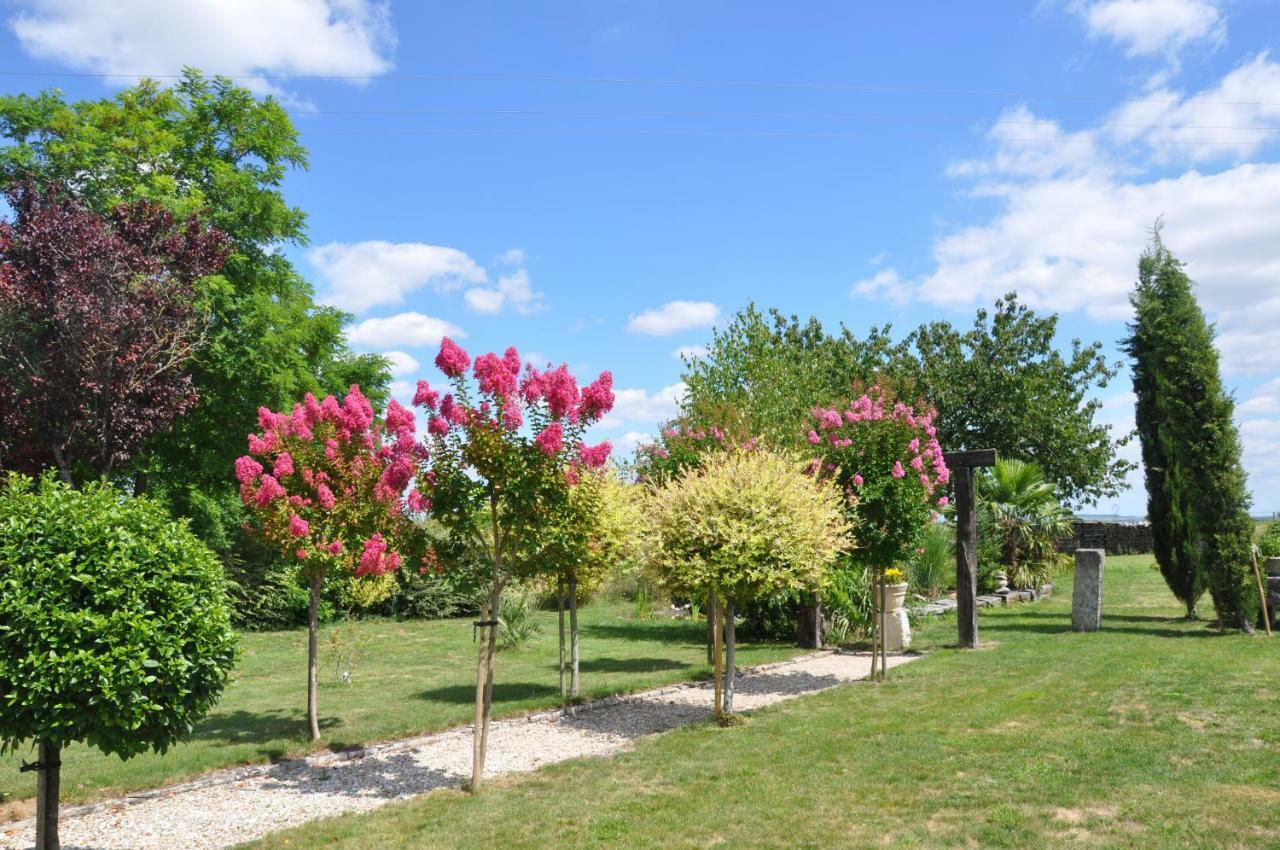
(506, 449)
(884, 455)
(329, 486)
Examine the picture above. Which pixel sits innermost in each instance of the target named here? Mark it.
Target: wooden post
(962, 466)
(966, 558)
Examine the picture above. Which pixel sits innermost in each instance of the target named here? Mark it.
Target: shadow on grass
(284, 730)
(502, 692)
(1136, 624)
(650, 630)
(626, 665)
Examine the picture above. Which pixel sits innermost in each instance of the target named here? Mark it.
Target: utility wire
(655, 82)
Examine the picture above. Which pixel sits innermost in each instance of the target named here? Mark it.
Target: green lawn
(1153, 733)
(409, 678)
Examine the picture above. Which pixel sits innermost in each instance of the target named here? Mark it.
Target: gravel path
(228, 807)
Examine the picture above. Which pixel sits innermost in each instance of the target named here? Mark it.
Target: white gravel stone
(228, 807)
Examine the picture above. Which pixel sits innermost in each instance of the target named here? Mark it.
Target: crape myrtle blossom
(884, 455)
(508, 394)
(338, 476)
(338, 496)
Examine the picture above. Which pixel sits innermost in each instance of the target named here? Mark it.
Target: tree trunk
(719, 668)
(708, 609)
(573, 637)
(884, 622)
(495, 603)
(817, 621)
(730, 642)
(477, 749)
(313, 627)
(564, 694)
(47, 796)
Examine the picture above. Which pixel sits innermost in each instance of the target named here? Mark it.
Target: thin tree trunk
(719, 662)
(313, 627)
(573, 636)
(817, 621)
(477, 751)
(730, 642)
(495, 602)
(884, 623)
(49, 777)
(564, 694)
(709, 610)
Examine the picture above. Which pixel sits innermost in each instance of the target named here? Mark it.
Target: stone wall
(1117, 538)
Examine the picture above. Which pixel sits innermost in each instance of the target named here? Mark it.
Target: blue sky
(599, 183)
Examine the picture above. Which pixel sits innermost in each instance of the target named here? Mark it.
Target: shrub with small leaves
(113, 622)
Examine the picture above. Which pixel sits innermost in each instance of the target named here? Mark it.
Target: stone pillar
(1086, 598)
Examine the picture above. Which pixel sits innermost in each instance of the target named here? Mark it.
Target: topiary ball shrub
(114, 628)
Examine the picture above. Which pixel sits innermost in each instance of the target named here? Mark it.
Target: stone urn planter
(897, 628)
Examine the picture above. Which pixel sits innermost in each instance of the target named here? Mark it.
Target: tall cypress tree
(1197, 500)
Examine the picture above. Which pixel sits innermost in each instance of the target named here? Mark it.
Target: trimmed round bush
(1269, 542)
(114, 627)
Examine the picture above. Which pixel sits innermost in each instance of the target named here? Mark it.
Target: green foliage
(113, 625)
(1269, 541)
(932, 567)
(1019, 511)
(1003, 385)
(209, 146)
(1197, 498)
(750, 525)
(517, 619)
(762, 375)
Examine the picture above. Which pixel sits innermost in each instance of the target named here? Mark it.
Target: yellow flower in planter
(893, 575)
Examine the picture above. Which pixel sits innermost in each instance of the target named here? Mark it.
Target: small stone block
(1086, 597)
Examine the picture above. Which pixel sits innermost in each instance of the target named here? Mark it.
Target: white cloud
(1232, 119)
(674, 316)
(1151, 27)
(232, 37)
(1028, 146)
(514, 289)
(637, 405)
(361, 275)
(413, 330)
(1265, 399)
(513, 257)
(690, 352)
(886, 284)
(629, 442)
(402, 364)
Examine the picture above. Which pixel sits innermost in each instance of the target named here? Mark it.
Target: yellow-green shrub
(750, 524)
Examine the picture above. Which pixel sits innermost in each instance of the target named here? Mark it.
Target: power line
(681, 132)
(782, 116)
(655, 82)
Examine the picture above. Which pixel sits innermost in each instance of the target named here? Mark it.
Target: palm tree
(1020, 508)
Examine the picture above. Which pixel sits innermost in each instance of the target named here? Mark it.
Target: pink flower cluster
(330, 454)
(375, 559)
(921, 452)
(506, 395)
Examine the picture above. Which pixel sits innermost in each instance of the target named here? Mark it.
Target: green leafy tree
(1003, 384)
(1198, 501)
(1019, 508)
(762, 374)
(749, 525)
(113, 626)
(209, 147)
